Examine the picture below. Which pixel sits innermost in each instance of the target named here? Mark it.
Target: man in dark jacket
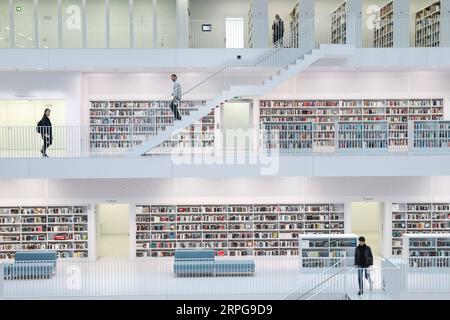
(363, 260)
(44, 128)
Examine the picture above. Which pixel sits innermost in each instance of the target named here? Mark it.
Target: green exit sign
(18, 9)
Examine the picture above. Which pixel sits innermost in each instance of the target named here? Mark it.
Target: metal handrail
(321, 273)
(323, 282)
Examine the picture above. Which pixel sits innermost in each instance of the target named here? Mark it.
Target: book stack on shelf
(427, 250)
(324, 251)
(233, 230)
(125, 124)
(324, 125)
(384, 29)
(418, 218)
(63, 229)
(197, 137)
(339, 25)
(428, 25)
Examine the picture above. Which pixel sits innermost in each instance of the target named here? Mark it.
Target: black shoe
(45, 155)
(360, 293)
(42, 152)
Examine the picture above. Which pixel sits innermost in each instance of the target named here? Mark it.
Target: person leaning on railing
(44, 128)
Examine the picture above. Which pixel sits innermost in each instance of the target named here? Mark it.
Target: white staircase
(369, 295)
(284, 73)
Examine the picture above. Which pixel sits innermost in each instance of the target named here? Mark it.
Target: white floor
(154, 279)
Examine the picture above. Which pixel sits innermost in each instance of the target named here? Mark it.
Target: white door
(234, 32)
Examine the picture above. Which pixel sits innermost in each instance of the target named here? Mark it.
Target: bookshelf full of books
(327, 125)
(384, 27)
(324, 251)
(233, 230)
(427, 250)
(418, 218)
(125, 124)
(198, 137)
(428, 26)
(60, 228)
(432, 134)
(339, 25)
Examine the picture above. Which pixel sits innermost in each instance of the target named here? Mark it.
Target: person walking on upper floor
(176, 94)
(363, 260)
(278, 31)
(44, 128)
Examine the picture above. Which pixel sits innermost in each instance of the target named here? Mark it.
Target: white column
(401, 24)
(260, 20)
(354, 23)
(131, 22)
(108, 24)
(84, 22)
(306, 24)
(36, 23)
(445, 23)
(182, 24)
(155, 23)
(12, 34)
(132, 232)
(60, 25)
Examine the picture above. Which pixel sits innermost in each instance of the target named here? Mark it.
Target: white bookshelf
(124, 124)
(339, 25)
(427, 25)
(60, 228)
(427, 250)
(384, 31)
(418, 218)
(327, 125)
(432, 134)
(324, 251)
(200, 136)
(233, 230)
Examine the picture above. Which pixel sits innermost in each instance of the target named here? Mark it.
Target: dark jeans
(174, 106)
(361, 271)
(47, 142)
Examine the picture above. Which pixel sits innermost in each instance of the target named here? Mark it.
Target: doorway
(367, 221)
(234, 33)
(112, 231)
(236, 125)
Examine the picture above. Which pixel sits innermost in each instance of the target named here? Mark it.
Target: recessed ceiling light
(30, 38)
(39, 68)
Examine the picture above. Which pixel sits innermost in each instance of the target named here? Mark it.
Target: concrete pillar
(306, 24)
(445, 23)
(182, 24)
(260, 21)
(401, 24)
(354, 23)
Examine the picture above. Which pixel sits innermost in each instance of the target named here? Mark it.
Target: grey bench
(202, 263)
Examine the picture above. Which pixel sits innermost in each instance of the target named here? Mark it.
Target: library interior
(307, 161)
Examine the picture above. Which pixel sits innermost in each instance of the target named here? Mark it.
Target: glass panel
(48, 23)
(167, 25)
(119, 23)
(24, 23)
(4, 24)
(96, 23)
(143, 23)
(72, 23)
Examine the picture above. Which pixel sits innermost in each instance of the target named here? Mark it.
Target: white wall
(322, 24)
(5, 40)
(215, 12)
(119, 24)
(96, 23)
(45, 86)
(167, 27)
(366, 221)
(114, 218)
(143, 23)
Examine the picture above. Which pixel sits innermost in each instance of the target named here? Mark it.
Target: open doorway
(367, 221)
(236, 125)
(112, 226)
(234, 33)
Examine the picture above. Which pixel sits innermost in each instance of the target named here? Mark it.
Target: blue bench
(31, 265)
(201, 263)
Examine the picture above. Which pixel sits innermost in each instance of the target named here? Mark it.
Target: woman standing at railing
(44, 128)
